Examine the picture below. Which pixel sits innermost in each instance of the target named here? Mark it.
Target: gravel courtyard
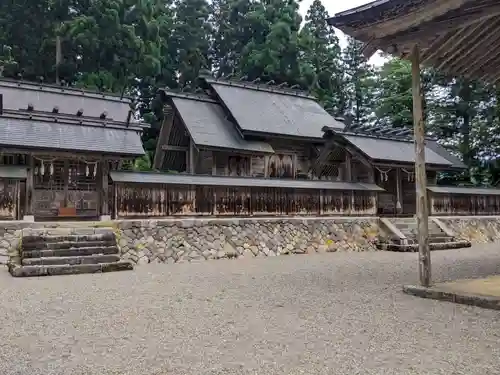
(312, 314)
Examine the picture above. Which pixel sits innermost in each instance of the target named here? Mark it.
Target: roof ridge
(37, 86)
(189, 95)
(260, 87)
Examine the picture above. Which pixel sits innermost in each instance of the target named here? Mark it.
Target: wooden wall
(9, 199)
(137, 200)
(463, 204)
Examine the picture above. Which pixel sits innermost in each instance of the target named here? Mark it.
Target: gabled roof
(50, 135)
(17, 95)
(264, 109)
(208, 125)
(402, 150)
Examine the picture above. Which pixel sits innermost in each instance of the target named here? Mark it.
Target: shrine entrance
(65, 188)
(399, 197)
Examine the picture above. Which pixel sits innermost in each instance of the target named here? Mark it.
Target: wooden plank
(174, 148)
(420, 173)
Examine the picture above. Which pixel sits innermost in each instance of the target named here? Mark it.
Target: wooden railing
(463, 204)
(141, 200)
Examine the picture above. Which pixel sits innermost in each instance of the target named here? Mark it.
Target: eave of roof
(463, 190)
(380, 149)
(50, 135)
(455, 36)
(185, 179)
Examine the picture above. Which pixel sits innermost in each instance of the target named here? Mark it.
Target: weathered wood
(348, 170)
(420, 173)
(192, 157)
(30, 187)
(104, 196)
(165, 130)
(399, 192)
(161, 201)
(174, 148)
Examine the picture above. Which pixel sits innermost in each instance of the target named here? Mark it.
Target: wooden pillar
(104, 195)
(30, 187)
(399, 192)
(66, 182)
(420, 174)
(348, 172)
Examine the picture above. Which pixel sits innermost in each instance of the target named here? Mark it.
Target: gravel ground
(312, 314)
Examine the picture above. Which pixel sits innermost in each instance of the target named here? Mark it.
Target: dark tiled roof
(24, 133)
(262, 109)
(463, 190)
(441, 151)
(184, 179)
(208, 126)
(17, 96)
(13, 172)
(393, 150)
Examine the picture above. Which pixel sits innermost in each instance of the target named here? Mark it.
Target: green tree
(273, 48)
(359, 83)
(321, 57)
(191, 38)
(230, 34)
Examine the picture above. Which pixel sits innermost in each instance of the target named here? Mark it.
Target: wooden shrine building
(239, 148)
(57, 145)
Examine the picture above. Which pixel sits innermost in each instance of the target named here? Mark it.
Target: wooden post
(399, 192)
(420, 174)
(58, 57)
(30, 187)
(348, 172)
(104, 196)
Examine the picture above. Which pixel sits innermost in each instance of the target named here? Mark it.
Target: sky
(336, 6)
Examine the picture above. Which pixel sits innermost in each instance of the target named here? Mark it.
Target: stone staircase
(406, 237)
(68, 251)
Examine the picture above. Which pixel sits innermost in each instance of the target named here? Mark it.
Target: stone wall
(479, 229)
(10, 237)
(173, 241)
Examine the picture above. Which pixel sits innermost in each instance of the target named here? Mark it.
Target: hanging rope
(410, 174)
(384, 175)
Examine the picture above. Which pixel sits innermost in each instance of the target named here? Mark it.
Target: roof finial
(271, 82)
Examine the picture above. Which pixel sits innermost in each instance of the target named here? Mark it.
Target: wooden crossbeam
(174, 148)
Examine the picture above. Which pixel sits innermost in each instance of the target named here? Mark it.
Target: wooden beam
(410, 20)
(473, 36)
(421, 175)
(166, 128)
(470, 54)
(174, 148)
(443, 27)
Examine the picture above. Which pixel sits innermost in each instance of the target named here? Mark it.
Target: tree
(230, 34)
(272, 51)
(359, 83)
(191, 38)
(321, 57)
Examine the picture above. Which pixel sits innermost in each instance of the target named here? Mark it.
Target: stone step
(51, 270)
(66, 245)
(28, 240)
(71, 260)
(414, 247)
(70, 252)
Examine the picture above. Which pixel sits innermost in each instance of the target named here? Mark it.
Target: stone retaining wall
(173, 241)
(474, 229)
(149, 241)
